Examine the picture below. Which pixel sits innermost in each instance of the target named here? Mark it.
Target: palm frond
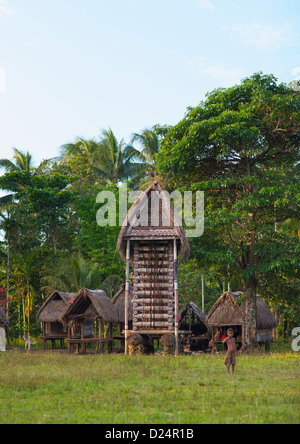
(8, 165)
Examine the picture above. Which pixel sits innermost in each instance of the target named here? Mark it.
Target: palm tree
(72, 274)
(75, 272)
(23, 162)
(150, 143)
(81, 147)
(115, 160)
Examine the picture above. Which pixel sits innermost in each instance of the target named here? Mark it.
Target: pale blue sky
(72, 68)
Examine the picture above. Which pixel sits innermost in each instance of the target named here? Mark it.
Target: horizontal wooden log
(153, 317)
(158, 332)
(152, 263)
(151, 270)
(162, 280)
(141, 302)
(142, 249)
(139, 325)
(142, 255)
(155, 309)
(145, 276)
(158, 293)
(153, 285)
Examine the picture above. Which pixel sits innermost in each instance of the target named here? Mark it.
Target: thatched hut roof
(54, 307)
(141, 210)
(265, 318)
(3, 319)
(88, 299)
(225, 312)
(195, 309)
(119, 303)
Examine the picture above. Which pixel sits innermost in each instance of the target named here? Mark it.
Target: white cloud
(5, 8)
(205, 4)
(225, 74)
(270, 37)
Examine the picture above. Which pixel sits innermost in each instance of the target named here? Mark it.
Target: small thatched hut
(224, 314)
(90, 306)
(192, 319)
(49, 315)
(227, 312)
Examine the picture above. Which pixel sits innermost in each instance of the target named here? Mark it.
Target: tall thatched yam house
(49, 315)
(88, 307)
(151, 239)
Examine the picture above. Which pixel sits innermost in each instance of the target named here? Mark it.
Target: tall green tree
(45, 200)
(21, 162)
(150, 144)
(241, 146)
(115, 160)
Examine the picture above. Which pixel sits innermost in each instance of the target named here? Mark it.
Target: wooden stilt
(127, 295)
(176, 298)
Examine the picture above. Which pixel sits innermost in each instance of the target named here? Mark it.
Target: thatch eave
(83, 302)
(55, 305)
(119, 303)
(174, 232)
(225, 312)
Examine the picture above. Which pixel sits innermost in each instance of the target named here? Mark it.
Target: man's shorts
(230, 359)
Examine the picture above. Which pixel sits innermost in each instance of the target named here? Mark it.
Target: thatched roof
(195, 309)
(167, 224)
(265, 318)
(88, 299)
(119, 303)
(55, 306)
(225, 312)
(3, 319)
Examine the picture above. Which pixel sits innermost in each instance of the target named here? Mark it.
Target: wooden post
(203, 301)
(127, 295)
(176, 297)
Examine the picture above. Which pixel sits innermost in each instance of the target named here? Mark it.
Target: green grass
(59, 388)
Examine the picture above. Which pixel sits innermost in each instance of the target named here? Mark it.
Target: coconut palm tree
(114, 160)
(81, 147)
(76, 272)
(150, 143)
(22, 162)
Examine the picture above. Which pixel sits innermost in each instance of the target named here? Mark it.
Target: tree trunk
(250, 319)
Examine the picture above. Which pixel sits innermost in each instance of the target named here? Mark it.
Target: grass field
(113, 389)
